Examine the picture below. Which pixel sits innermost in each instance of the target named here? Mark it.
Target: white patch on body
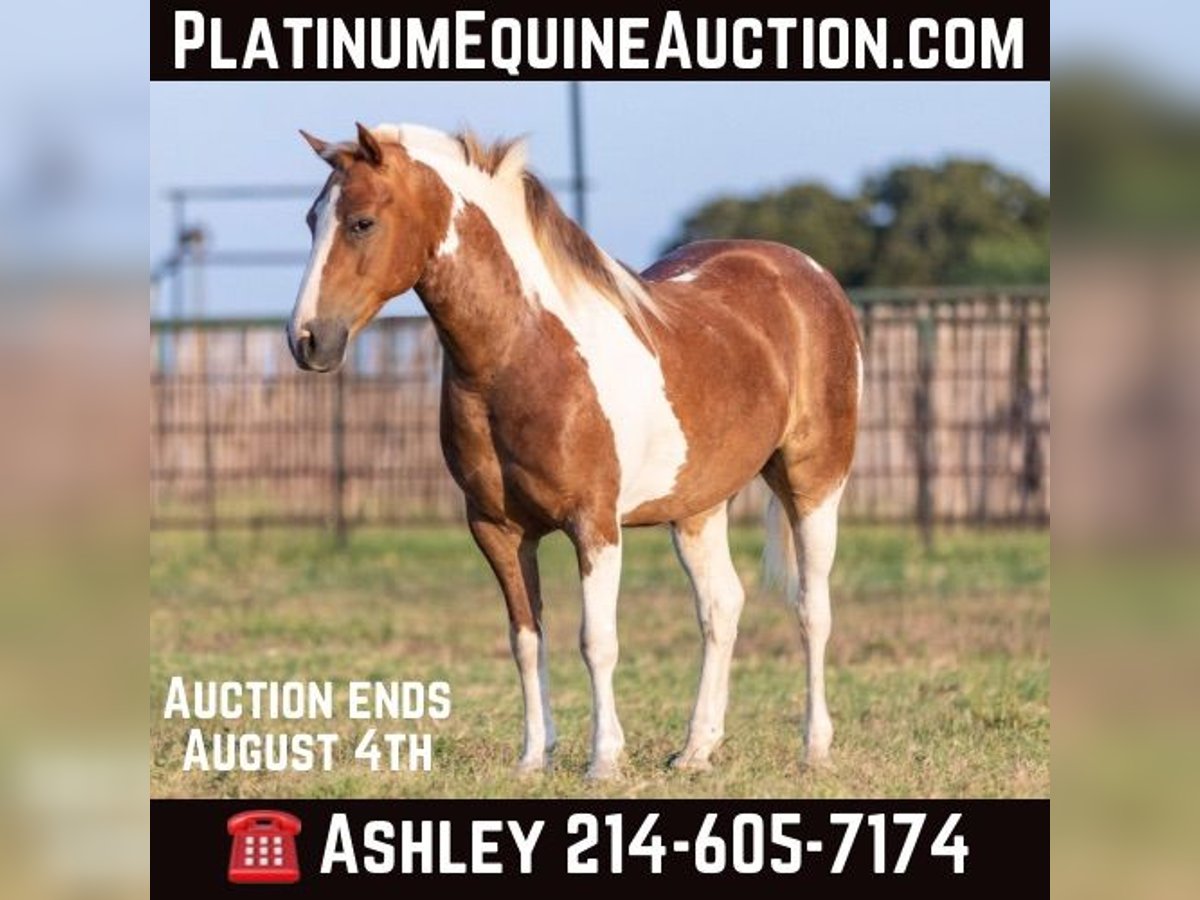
(598, 640)
(689, 275)
(449, 244)
(324, 232)
(650, 444)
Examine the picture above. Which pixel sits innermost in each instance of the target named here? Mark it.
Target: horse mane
(491, 158)
(571, 256)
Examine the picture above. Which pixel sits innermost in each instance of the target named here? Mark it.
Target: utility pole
(179, 224)
(578, 181)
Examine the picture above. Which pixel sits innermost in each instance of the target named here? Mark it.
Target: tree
(959, 222)
(808, 216)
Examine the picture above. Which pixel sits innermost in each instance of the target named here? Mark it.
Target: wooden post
(339, 458)
(210, 475)
(869, 491)
(194, 249)
(1030, 477)
(923, 423)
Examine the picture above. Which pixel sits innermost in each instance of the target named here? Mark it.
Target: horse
(579, 396)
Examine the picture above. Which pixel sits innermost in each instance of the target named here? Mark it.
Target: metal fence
(954, 426)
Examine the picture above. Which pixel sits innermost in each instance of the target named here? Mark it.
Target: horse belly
(712, 477)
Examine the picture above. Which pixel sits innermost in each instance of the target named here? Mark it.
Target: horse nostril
(321, 344)
(304, 346)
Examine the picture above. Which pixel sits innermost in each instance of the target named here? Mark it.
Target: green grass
(938, 667)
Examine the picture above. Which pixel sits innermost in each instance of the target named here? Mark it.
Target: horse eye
(362, 226)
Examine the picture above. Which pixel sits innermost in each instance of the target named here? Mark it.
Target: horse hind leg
(814, 528)
(816, 543)
(702, 544)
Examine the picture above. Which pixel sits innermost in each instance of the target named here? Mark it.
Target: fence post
(210, 476)
(1030, 478)
(923, 423)
(339, 458)
(870, 497)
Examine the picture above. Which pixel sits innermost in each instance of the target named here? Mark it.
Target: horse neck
(478, 312)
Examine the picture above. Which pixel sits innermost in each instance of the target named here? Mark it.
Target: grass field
(938, 682)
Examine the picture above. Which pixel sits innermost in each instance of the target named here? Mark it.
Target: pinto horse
(582, 397)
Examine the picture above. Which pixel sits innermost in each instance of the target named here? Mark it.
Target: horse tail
(781, 569)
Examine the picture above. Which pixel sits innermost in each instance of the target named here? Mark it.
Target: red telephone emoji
(264, 847)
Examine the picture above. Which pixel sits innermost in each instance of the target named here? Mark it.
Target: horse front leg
(513, 558)
(599, 555)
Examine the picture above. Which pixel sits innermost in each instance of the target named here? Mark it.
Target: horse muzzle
(319, 345)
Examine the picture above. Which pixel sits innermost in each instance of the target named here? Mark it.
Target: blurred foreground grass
(939, 664)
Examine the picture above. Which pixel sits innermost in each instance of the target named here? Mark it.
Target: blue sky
(657, 150)
(1155, 36)
(654, 150)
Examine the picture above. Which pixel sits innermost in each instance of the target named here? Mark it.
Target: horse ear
(369, 145)
(320, 147)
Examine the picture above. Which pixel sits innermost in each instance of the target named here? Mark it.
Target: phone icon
(264, 847)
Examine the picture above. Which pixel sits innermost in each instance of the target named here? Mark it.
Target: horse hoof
(683, 762)
(607, 771)
(819, 760)
(531, 768)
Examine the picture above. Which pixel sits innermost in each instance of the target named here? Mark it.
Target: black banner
(377, 848)
(772, 40)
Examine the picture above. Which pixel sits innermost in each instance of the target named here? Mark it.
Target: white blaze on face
(324, 232)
